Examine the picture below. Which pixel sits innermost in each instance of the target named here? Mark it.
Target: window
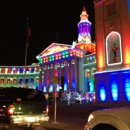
(111, 8)
(26, 80)
(32, 80)
(37, 80)
(20, 80)
(2, 81)
(9, 71)
(14, 81)
(8, 81)
(15, 71)
(29, 95)
(3, 71)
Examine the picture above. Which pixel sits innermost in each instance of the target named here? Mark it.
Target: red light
(47, 109)
(10, 110)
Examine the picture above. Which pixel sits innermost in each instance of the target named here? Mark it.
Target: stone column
(81, 74)
(59, 70)
(91, 80)
(66, 75)
(69, 75)
(40, 87)
(45, 78)
(51, 74)
(73, 75)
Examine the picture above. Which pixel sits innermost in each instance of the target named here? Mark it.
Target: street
(68, 117)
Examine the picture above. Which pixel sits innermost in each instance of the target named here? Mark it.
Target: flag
(28, 35)
(29, 32)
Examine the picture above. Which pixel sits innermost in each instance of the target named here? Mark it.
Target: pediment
(54, 48)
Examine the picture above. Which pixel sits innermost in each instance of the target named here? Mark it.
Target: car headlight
(90, 117)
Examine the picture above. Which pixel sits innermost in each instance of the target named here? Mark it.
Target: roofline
(37, 57)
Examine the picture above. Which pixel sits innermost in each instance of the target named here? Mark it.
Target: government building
(101, 67)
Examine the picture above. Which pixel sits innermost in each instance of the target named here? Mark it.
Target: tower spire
(84, 15)
(84, 27)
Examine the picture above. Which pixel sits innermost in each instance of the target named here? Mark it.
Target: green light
(62, 65)
(63, 53)
(66, 52)
(55, 66)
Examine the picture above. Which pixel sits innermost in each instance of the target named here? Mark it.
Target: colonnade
(72, 72)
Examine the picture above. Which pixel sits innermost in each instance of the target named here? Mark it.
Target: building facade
(76, 63)
(19, 76)
(112, 30)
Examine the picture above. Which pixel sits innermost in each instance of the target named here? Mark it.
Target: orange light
(126, 55)
(100, 63)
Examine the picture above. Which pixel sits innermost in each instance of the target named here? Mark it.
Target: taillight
(47, 109)
(10, 110)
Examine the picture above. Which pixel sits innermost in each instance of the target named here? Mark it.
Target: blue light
(51, 88)
(127, 89)
(114, 91)
(45, 90)
(129, 6)
(58, 87)
(65, 87)
(73, 86)
(90, 58)
(102, 94)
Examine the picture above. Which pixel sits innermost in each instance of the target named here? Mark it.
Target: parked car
(109, 119)
(22, 106)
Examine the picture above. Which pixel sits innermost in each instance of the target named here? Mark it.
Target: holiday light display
(84, 27)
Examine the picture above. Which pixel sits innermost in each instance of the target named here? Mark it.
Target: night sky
(47, 19)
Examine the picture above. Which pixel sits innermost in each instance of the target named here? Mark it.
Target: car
(22, 106)
(109, 119)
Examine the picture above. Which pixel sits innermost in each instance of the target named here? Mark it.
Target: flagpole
(25, 60)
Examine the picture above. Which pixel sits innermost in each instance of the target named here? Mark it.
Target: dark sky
(46, 19)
